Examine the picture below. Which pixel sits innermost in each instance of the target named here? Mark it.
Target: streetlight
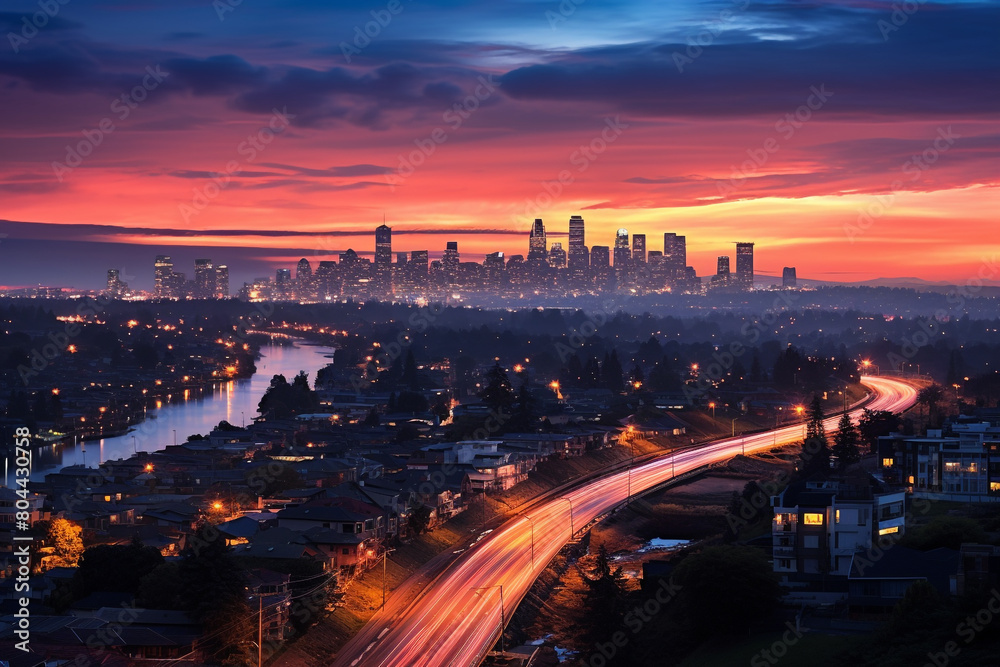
(385, 557)
(712, 405)
(867, 364)
(631, 444)
(572, 532)
(175, 437)
(500, 586)
(531, 522)
(135, 450)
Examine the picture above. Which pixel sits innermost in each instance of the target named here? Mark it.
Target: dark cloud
(944, 60)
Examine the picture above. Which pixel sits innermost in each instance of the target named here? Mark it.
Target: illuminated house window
(951, 465)
(837, 517)
(811, 519)
(886, 463)
(995, 487)
(889, 531)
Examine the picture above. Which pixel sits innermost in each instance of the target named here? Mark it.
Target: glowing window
(886, 463)
(837, 517)
(889, 531)
(811, 519)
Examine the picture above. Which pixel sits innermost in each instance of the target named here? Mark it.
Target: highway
(457, 620)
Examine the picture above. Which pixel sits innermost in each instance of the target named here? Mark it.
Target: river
(235, 402)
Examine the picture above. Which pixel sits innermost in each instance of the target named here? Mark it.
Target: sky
(852, 140)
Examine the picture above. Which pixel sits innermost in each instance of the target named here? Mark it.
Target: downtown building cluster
(210, 281)
(629, 266)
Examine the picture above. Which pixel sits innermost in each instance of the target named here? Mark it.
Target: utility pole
(385, 557)
(260, 630)
(500, 586)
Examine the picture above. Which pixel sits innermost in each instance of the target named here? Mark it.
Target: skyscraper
(204, 279)
(600, 257)
(537, 247)
(303, 280)
(383, 258)
(722, 266)
(222, 282)
(303, 271)
(163, 277)
(116, 287)
(623, 257)
(450, 262)
(417, 269)
(744, 266)
(674, 255)
(577, 238)
(638, 249)
(557, 256)
(788, 278)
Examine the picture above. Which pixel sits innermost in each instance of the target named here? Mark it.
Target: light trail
(457, 621)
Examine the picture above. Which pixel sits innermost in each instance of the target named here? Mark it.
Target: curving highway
(457, 620)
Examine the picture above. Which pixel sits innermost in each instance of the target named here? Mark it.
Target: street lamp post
(631, 444)
(572, 531)
(531, 522)
(135, 449)
(500, 586)
(385, 557)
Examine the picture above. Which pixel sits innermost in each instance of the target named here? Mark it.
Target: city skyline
(544, 268)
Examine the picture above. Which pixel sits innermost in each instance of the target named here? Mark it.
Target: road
(458, 619)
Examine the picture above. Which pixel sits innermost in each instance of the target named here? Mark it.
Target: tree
(815, 456)
(412, 402)
(930, 396)
(419, 519)
(65, 539)
(845, 442)
(115, 567)
(161, 588)
(726, 589)
(606, 596)
(612, 376)
(498, 393)
(525, 417)
(214, 593)
(875, 423)
(944, 531)
(664, 376)
(756, 372)
(411, 378)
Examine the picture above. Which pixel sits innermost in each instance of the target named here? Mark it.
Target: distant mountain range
(989, 287)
